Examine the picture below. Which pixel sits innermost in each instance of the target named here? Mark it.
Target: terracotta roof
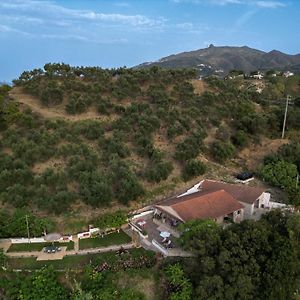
(241, 193)
(200, 205)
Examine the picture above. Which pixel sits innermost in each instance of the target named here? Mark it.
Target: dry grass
(54, 163)
(145, 283)
(253, 156)
(200, 86)
(57, 111)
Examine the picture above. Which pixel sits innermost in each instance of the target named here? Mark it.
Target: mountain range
(220, 60)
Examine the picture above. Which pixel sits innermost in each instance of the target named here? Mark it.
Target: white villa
(209, 199)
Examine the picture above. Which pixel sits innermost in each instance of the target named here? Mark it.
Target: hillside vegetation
(148, 133)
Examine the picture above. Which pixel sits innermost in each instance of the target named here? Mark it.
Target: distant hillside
(220, 60)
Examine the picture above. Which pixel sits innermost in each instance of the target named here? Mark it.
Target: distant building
(288, 74)
(258, 76)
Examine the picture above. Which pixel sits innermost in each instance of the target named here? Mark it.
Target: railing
(138, 230)
(162, 249)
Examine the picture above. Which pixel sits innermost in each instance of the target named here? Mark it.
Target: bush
(52, 94)
(188, 149)
(240, 139)
(158, 171)
(222, 151)
(76, 105)
(193, 168)
(126, 185)
(95, 189)
(111, 220)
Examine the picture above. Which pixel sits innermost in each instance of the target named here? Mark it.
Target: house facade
(252, 198)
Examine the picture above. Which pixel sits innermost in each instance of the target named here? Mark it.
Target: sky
(115, 33)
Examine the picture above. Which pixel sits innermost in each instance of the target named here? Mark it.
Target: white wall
(264, 200)
(26, 240)
(237, 218)
(248, 210)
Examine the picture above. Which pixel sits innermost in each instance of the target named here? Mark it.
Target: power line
(288, 98)
(27, 228)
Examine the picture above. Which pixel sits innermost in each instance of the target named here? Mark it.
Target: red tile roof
(201, 205)
(241, 193)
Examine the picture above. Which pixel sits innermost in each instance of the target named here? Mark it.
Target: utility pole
(288, 98)
(27, 228)
(297, 180)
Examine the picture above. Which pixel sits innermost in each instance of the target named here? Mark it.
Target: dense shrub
(52, 94)
(95, 189)
(240, 139)
(111, 220)
(189, 148)
(193, 168)
(158, 171)
(77, 105)
(222, 151)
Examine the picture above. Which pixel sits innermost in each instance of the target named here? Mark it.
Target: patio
(154, 234)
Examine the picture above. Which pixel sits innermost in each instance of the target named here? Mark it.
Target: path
(6, 243)
(57, 111)
(59, 255)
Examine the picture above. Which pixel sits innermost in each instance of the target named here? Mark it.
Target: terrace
(157, 232)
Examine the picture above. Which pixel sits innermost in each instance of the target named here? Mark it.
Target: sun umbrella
(52, 237)
(165, 234)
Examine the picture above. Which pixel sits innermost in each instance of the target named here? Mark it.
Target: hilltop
(221, 60)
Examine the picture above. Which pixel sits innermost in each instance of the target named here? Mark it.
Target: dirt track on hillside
(50, 112)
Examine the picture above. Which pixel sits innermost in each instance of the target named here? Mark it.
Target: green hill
(105, 138)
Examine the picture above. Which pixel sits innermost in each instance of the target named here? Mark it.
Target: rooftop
(200, 205)
(241, 193)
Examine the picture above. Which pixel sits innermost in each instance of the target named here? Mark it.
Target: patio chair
(169, 244)
(164, 240)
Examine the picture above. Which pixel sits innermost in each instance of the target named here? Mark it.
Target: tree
(179, 286)
(2, 258)
(42, 285)
(158, 171)
(280, 173)
(193, 168)
(52, 94)
(222, 151)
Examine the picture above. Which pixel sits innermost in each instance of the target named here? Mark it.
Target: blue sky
(113, 33)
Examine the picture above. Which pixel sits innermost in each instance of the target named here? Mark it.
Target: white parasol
(165, 234)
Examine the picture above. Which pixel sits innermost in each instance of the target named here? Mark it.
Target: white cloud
(186, 25)
(9, 29)
(50, 9)
(83, 38)
(269, 4)
(122, 4)
(261, 4)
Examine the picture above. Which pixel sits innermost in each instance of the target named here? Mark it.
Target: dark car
(244, 176)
